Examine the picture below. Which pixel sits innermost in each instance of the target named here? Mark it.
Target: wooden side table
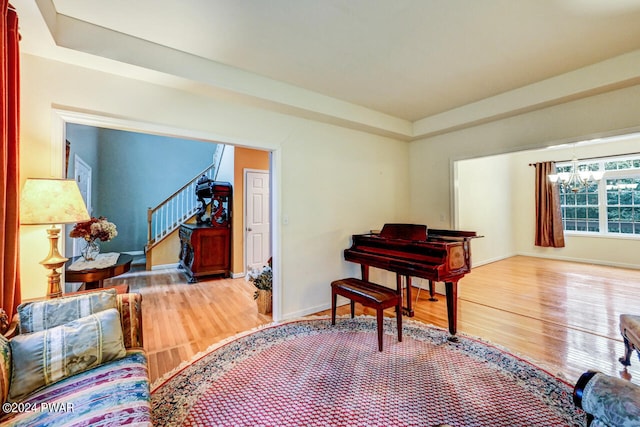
(93, 278)
(120, 289)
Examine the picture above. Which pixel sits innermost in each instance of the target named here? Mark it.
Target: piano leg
(334, 301)
(432, 291)
(364, 270)
(452, 308)
(409, 301)
(408, 310)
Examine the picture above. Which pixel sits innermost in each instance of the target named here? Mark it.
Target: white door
(82, 175)
(257, 218)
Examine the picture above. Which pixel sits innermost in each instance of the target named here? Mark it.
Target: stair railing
(177, 208)
(174, 210)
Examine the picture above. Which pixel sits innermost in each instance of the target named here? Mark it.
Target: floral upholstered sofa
(76, 361)
(608, 401)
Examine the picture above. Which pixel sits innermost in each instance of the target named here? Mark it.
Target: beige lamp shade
(52, 201)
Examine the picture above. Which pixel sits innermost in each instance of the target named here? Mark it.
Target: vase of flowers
(263, 281)
(90, 251)
(91, 231)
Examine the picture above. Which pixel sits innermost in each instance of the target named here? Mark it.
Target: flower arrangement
(94, 229)
(261, 279)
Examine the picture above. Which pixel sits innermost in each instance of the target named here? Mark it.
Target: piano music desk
(370, 295)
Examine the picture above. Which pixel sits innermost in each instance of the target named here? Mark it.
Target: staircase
(166, 217)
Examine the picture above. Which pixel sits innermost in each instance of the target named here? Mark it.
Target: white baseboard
(306, 311)
(583, 261)
(164, 266)
(491, 260)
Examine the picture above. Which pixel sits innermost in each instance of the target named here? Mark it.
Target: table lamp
(52, 201)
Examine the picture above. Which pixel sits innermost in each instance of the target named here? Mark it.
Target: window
(610, 206)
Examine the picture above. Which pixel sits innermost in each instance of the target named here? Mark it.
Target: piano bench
(369, 295)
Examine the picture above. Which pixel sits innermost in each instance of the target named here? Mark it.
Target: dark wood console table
(205, 251)
(205, 247)
(94, 277)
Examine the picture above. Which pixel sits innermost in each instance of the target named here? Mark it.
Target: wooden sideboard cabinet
(205, 251)
(205, 247)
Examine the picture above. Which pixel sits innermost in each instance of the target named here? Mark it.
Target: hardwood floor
(181, 319)
(562, 316)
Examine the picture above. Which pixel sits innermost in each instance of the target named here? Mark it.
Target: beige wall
(432, 165)
(621, 252)
(329, 182)
(484, 204)
(504, 185)
(313, 164)
(167, 252)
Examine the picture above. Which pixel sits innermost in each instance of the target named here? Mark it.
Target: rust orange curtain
(9, 155)
(549, 232)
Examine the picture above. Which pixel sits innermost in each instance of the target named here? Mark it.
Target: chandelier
(575, 179)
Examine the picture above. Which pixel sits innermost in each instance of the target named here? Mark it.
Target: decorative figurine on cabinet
(218, 195)
(205, 247)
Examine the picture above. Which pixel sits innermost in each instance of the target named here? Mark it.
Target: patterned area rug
(310, 373)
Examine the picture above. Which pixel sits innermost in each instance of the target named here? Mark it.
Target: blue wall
(132, 172)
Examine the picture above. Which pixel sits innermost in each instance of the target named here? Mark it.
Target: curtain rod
(593, 158)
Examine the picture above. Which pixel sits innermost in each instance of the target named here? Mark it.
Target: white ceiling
(400, 63)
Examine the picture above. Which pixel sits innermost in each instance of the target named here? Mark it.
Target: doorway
(63, 117)
(257, 218)
(82, 175)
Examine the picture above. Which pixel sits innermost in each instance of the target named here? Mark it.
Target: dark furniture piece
(93, 278)
(205, 251)
(410, 251)
(205, 247)
(369, 295)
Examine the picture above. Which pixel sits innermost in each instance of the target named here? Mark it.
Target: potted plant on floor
(263, 281)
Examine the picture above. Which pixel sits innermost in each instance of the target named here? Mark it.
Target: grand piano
(410, 250)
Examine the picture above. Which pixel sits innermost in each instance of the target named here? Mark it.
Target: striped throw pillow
(41, 315)
(45, 357)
